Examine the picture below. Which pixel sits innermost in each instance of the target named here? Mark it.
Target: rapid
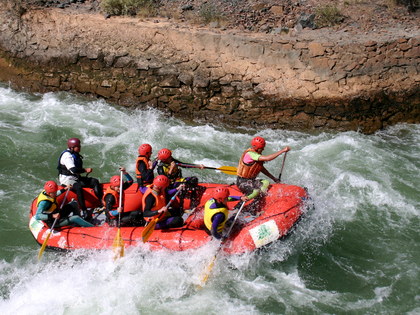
(356, 252)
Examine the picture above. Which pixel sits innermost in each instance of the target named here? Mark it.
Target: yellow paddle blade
(230, 170)
(118, 245)
(148, 230)
(206, 273)
(44, 245)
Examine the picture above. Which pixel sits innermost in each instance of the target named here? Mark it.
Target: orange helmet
(51, 186)
(221, 193)
(258, 143)
(161, 181)
(145, 149)
(164, 154)
(115, 181)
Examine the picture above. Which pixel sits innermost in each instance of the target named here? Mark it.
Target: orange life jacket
(145, 160)
(160, 202)
(116, 197)
(249, 170)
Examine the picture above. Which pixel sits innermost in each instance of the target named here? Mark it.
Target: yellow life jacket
(209, 213)
(160, 202)
(174, 175)
(249, 171)
(43, 196)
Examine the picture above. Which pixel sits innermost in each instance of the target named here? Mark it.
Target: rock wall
(309, 80)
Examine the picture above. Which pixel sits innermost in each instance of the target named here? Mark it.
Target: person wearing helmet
(113, 208)
(251, 164)
(216, 211)
(154, 205)
(144, 167)
(70, 167)
(48, 209)
(169, 166)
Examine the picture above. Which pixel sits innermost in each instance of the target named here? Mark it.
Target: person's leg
(75, 220)
(93, 183)
(171, 222)
(78, 189)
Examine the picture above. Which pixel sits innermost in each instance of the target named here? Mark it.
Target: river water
(357, 252)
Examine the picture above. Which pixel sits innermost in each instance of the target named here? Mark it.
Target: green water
(356, 253)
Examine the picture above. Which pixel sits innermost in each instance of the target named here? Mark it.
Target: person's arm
(43, 206)
(160, 169)
(128, 181)
(217, 219)
(68, 161)
(270, 157)
(269, 175)
(188, 165)
(109, 202)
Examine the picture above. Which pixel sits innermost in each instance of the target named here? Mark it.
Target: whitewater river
(358, 252)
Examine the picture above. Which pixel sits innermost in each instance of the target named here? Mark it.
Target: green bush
(327, 16)
(129, 7)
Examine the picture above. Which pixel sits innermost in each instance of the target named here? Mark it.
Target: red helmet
(73, 142)
(51, 186)
(221, 192)
(161, 181)
(258, 143)
(164, 154)
(145, 149)
(115, 181)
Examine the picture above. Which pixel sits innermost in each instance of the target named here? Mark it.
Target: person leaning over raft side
(154, 204)
(168, 166)
(144, 167)
(251, 164)
(216, 211)
(112, 206)
(48, 209)
(70, 166)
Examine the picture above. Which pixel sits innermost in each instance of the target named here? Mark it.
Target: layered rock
(314, 79)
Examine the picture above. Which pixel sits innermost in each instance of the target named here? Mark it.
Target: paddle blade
(148, 230)
(230, 170)
(44, 245)
(206, 274)
(118, 246)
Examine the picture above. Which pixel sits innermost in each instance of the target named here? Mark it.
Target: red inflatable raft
(276, 215)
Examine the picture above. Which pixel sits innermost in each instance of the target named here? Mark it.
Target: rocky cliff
(315, 79)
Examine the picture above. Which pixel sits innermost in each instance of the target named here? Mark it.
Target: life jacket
(43, 196)
(176, 172)
(116, 200)
(146, 162)
(78, 163)
(251, 170)
(160, 202)
(209, 213)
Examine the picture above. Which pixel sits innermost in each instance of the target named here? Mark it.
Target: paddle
(230, 170)
(282, 165)
(118, 245)
(209, 268)
(44, 245)
(148, 230)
